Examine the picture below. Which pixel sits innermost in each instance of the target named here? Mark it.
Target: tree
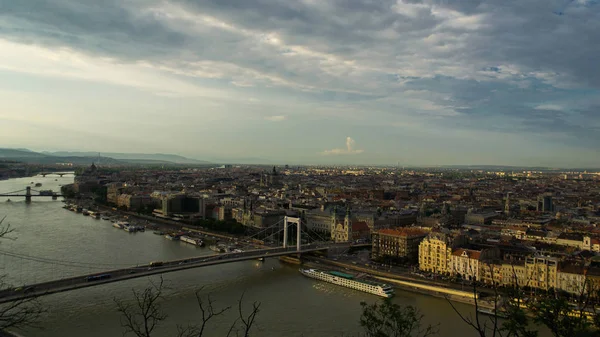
(387, 319)
(246, 322)
(207, 312)
(548, 308)
(564, 319)
(515, 322)
(145, 314)
(20, 313)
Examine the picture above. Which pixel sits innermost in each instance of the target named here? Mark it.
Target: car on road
(28, 290)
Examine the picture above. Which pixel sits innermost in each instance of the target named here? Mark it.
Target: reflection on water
(52, 243)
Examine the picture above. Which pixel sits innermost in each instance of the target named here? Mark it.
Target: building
(571, 278)
(182, 204)
(541, 272)
(544, 203)
(468, 263)
(397, 244)
(320, 220)
(134, 202)
(113, 190)
(490, 272)
(591, 244)
(570, 240)
(484, 218)
(349, 230)
(514, 273)
(435, 252)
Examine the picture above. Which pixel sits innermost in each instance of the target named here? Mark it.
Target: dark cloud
(491, 62)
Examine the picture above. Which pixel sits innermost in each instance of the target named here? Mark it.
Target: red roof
(472, 254)
(402, 231)
(360, 226)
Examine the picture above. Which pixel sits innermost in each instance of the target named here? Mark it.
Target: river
(52, 243)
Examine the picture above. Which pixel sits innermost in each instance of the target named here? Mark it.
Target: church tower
(347, 225)
(333, 223)
(507, 204)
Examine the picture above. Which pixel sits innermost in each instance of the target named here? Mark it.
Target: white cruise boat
(188, 239)
(349, 281)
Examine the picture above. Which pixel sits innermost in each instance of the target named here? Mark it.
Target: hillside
(135, 157)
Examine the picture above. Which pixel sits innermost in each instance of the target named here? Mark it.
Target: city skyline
(384, 82)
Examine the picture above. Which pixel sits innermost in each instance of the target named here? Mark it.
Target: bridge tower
(291, 220)
(28, 194)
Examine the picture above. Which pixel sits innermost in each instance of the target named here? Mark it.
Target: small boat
(218, 249)
(130, 229)
(172, 237)
(105, 218)
(85, 212)
(8, 200)
(491, 312)
(194, 241)
(38, 184)
(158, 233)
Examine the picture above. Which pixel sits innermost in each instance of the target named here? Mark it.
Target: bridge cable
(57, 261)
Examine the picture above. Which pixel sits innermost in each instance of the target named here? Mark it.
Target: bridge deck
(77, 282)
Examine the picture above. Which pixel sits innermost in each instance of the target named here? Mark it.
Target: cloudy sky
(509, 82)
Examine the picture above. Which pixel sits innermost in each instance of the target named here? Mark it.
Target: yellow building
(514, 272)
(435, 252)
(542, 272)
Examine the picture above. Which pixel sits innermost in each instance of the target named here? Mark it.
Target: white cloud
(348, 150)
(549, 107)
(278, 118)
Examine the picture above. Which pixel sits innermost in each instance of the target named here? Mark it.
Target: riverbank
(418, 285)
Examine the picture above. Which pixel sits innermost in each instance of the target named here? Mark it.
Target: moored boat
(172, 237)
(193, 241)
(350, 281)
(218, 248)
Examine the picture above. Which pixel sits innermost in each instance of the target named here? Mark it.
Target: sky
(409, 82)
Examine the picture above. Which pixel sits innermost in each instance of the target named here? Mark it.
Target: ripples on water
(291, 304)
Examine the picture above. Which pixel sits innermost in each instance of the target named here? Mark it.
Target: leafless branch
(144, 315)
(20, 313)
(207, 311)
(5, 230)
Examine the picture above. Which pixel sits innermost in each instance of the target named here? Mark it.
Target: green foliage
(387, 319)
(228, 226)
(559, 316)
(516, 323)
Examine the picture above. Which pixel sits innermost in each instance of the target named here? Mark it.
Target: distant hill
(19, 153)
(138, 158)
(31, 157)
(86, 158)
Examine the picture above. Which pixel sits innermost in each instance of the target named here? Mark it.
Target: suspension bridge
(161, 267)
(26, 192)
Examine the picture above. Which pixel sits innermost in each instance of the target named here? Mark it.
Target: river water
(51, 242)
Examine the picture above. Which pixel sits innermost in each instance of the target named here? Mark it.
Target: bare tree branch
(142, 317)
(207, 311)
(20, 313)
